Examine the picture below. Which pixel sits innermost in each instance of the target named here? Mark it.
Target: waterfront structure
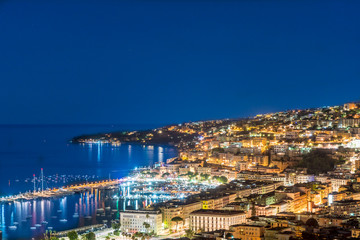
(266, 169)
(133, 221)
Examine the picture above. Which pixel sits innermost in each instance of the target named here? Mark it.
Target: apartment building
(133, 221)
(346, 207)
(336, 183)
(212, 220)
(248, 232)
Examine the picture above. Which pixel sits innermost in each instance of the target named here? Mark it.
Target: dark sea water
(25, 149)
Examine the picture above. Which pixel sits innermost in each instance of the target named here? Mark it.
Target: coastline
(50, 149)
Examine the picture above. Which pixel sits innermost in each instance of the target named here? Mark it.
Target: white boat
(63, 220)
(12, 227)
(33, 228)
(44, 222)
(37, 225)
(50, 228)
(75, 215)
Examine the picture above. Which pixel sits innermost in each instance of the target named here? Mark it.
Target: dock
(64, 191)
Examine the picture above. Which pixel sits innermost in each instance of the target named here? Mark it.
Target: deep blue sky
(174, 61)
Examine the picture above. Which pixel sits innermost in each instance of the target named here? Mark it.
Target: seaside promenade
(59, 192)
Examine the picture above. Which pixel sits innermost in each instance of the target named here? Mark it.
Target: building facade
(212, 220)
(133, 221)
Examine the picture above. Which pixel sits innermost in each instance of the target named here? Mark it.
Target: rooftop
(216, 212)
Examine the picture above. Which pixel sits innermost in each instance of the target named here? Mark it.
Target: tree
(165, 175)
(189, 233)
(90, 236)
(73, 235)
(147, 226)
(311, 222)
(218, 150)
(153, 174)
(177, 220)
(115, 225)
(138, 235)
(317, 161)
(152, 234)
(191, 175)
(204, 176)
(51, 238)
(229, 236)
(223, 179)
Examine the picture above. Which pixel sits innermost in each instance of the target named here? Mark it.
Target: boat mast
(42, 180)
(34, 183)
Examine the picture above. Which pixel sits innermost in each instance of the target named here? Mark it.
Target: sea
(26, 149)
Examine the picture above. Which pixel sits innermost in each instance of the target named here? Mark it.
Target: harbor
(75, 181)
(61, 192)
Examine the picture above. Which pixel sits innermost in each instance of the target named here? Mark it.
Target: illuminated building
(204, 170)
(178, 209)
(337, 182)
(349, 106)
(355, 233)
(349, 122)
(211, 220)
(346, 207)
(303, 178)
(133, 221)
(248, 232)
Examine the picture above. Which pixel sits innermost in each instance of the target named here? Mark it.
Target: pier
(60, 192)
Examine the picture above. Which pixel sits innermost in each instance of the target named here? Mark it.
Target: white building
(210, 220)
(322, 179)
(291, 135)
(303, 178)
(337, 182)
(281, 148)
(133, 221)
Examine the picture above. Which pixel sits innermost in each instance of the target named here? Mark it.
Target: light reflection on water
(58, 214)
(20, 157)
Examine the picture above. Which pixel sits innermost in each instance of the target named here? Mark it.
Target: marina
(74, 184)
(61, 192)
(95, 206)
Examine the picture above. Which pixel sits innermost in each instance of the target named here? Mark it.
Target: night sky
(65, 62)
